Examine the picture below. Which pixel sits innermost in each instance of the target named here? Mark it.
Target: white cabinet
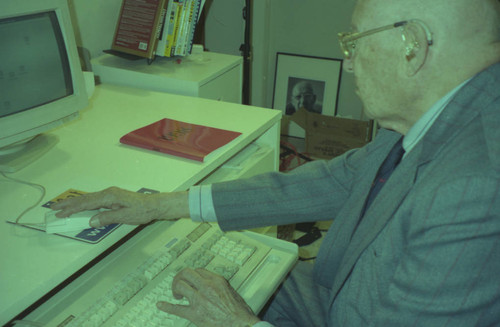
(206, 75)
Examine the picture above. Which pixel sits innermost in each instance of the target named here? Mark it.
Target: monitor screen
(41, 80)
(35, 70)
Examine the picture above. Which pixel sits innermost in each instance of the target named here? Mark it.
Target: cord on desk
(36, 186)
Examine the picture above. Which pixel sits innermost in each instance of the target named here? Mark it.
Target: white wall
(94, 23)
(293, 26)
(299, 27)
(224, 26)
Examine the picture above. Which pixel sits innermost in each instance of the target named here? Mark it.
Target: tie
(385, 172)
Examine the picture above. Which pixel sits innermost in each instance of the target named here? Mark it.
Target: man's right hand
(212, 300)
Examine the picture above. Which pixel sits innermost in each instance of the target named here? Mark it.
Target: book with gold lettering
(180, 139)
(139, 27)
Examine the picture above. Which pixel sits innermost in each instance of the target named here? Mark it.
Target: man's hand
(126, 207)
(212, 301)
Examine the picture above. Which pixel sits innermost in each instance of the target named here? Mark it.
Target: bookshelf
(205, 75)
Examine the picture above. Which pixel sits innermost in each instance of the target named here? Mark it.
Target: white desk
(89, 157)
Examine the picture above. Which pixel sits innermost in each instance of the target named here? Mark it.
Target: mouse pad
(88, 235)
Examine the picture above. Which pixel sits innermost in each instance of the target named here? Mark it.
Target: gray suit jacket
(427, 252)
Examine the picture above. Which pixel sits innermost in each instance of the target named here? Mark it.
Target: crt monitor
(41, 80)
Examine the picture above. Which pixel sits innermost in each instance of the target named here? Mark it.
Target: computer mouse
(74, 223)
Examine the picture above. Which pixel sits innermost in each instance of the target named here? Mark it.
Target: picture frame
(308, 82)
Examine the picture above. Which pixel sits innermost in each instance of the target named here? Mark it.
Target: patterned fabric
(385, 171)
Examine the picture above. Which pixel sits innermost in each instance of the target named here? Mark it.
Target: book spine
(182, 27)
(181, 49)
(178, 21)
(162, 40)
(159, 27)
(192, 28)
(170, 26)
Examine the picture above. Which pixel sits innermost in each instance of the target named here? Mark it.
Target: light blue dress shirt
(418, 130)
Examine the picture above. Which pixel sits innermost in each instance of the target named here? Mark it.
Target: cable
(36, 186)
(246, 49)
(288, 154)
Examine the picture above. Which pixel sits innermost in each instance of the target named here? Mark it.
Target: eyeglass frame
(347, 39)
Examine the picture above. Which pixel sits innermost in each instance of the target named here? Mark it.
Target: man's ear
(416, 48)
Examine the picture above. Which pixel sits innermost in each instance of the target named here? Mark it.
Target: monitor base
(15, 159)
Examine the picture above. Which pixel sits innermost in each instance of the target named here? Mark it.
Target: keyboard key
(131, 302)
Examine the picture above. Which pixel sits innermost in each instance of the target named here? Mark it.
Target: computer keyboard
(253, 264)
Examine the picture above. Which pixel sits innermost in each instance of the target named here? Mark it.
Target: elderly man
(303, 97)
(426, 250)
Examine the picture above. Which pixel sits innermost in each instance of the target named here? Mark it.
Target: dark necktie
(384, 172)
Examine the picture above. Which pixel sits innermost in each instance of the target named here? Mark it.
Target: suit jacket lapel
(377, 216)
(339, 238)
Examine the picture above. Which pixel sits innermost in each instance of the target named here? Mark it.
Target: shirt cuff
(201, 206)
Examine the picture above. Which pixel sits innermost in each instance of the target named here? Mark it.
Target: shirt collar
(418, 130)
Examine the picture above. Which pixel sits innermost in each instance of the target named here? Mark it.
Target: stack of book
(157, 27)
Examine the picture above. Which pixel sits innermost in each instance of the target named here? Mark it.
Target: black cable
(246, 49)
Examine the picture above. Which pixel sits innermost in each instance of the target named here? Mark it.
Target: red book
(139, 26)
(180, 138)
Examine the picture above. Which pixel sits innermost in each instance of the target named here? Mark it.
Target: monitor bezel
(24, 125)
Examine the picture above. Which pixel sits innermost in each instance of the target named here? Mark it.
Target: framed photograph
(310, 83)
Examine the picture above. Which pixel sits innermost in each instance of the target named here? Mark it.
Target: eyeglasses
(347, 40)
(303, 95)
